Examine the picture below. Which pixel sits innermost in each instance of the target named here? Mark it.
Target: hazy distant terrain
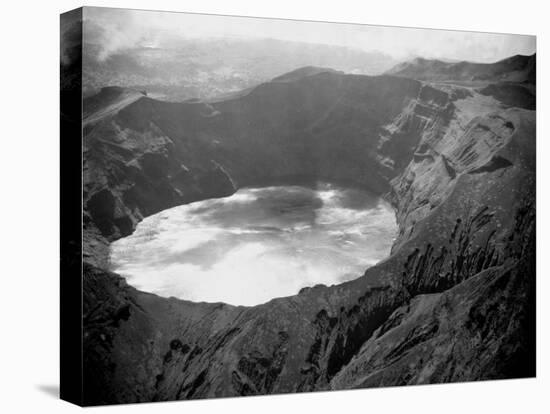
(208, 68)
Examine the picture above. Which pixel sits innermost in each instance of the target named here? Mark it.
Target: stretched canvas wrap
(259, 206)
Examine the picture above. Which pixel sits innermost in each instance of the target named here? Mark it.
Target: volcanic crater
(457, 166)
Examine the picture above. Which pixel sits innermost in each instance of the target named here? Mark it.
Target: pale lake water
(258, 244)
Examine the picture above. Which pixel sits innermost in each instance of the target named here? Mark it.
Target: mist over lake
(257, 244)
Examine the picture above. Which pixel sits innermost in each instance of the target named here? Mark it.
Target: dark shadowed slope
(454, 301)
(303, 72)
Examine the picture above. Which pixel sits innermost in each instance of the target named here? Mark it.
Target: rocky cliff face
(453, 302)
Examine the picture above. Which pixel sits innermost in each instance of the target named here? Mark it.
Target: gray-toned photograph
(277, 206)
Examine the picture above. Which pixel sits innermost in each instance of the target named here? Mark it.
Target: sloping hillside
(517, 68)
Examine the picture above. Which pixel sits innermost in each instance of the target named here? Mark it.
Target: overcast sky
(128, 28)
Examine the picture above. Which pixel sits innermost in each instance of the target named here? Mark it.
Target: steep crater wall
(151, 155)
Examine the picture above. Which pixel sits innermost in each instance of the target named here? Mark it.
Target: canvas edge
(71, 339)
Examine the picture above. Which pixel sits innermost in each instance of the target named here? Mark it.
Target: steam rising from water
(256, 245)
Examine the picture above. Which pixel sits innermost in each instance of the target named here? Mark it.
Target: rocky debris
(453, 302)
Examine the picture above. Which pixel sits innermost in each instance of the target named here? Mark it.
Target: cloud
(118, 29)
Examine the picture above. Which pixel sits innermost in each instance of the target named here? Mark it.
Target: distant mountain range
(517, 68)
(511, 80)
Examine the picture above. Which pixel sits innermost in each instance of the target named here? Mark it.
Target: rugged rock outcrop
(453, 302)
